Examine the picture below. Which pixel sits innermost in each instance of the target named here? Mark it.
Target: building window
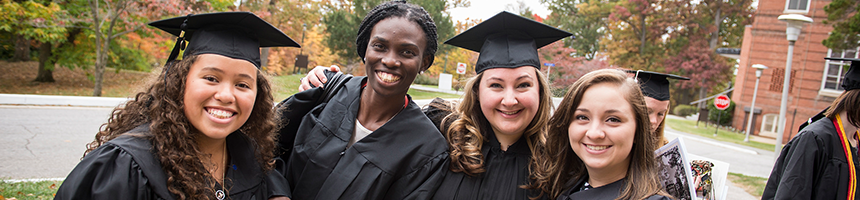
(834, 70)
(797, 6)
(768, 123)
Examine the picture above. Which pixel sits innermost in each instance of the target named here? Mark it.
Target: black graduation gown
(505, 172)
(812, 165)
(127, 168)
(402, 159)
(606, 192)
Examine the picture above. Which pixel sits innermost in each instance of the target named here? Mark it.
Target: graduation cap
(238, 35)
(654, 84)
(850, 81)
(507, 40)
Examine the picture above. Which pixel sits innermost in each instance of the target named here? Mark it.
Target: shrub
(725, 118)
(426, 79)
(684, 110)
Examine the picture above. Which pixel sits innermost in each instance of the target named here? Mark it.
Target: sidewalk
(756, 138)
(435, 89)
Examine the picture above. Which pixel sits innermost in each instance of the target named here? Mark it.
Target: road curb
(52, 100)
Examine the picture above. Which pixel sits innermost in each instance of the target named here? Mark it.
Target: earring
(365, 59)
(420, 72)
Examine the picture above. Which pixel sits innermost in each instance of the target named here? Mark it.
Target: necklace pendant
(219, 194)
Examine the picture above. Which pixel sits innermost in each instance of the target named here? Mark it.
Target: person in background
(655, 88)
(369, 140)
(821, 162)
(599, 144)
(203, 129)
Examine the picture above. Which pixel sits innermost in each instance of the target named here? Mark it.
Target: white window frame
(773, 118)
(823, 91)
(797, 11)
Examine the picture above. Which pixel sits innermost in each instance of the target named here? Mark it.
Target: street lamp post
(758, 69)
(792, 30)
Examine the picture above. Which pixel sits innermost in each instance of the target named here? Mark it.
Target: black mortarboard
(507, 41)
(851, 80)
(655, 85)
(237, 35)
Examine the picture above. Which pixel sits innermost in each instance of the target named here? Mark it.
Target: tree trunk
(715, 36)
(46, 65)
(22, 49)
(642, 32)
(101, 54)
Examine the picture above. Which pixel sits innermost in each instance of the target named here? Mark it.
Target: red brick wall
(765, 43)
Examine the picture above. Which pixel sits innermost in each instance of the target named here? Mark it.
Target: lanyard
(846, 146)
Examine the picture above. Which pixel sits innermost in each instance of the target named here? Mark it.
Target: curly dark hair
(172, 136)
(398, 8)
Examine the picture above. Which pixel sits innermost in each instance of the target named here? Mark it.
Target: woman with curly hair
(203, 129)
(369, 140)
(599, 144)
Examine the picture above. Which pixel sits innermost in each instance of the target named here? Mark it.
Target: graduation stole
(846, 146)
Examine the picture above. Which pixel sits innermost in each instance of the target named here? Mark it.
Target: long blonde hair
(466, 136)
(560, 166)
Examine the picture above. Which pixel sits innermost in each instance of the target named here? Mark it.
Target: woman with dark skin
(501, 122)
(202, 129)
(370, 140)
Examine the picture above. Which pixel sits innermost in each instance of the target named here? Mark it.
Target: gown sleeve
(277, 182)
(792, 175)
(421, 183)
(108, 172)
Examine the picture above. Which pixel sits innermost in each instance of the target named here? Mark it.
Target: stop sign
(722, 102)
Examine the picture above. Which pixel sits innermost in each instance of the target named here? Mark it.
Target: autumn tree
(111, 19)
(846, 24)
(585, 19)
(31, 20)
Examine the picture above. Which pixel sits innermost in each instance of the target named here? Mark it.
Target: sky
(483, 9)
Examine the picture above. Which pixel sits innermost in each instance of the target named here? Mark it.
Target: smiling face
(603, 129)
(656, 111)
(219, 94)
(509, 98)
(395, 55)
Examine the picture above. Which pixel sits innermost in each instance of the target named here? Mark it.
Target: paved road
(45, 141)
(48, 141)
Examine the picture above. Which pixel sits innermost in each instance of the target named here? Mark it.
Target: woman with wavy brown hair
(599, 144)
(202, 129)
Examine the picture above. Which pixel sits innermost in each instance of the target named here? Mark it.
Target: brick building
(814, 81)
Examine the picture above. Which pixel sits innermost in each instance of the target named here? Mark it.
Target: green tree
(585, 19)
(843, 14)
(31, 20)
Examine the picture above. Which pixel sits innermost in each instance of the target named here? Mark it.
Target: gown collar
(518, 147)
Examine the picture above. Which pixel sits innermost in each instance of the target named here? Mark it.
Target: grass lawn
(703, 130)
(29, 190)
(751, 184)
(284, 86)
